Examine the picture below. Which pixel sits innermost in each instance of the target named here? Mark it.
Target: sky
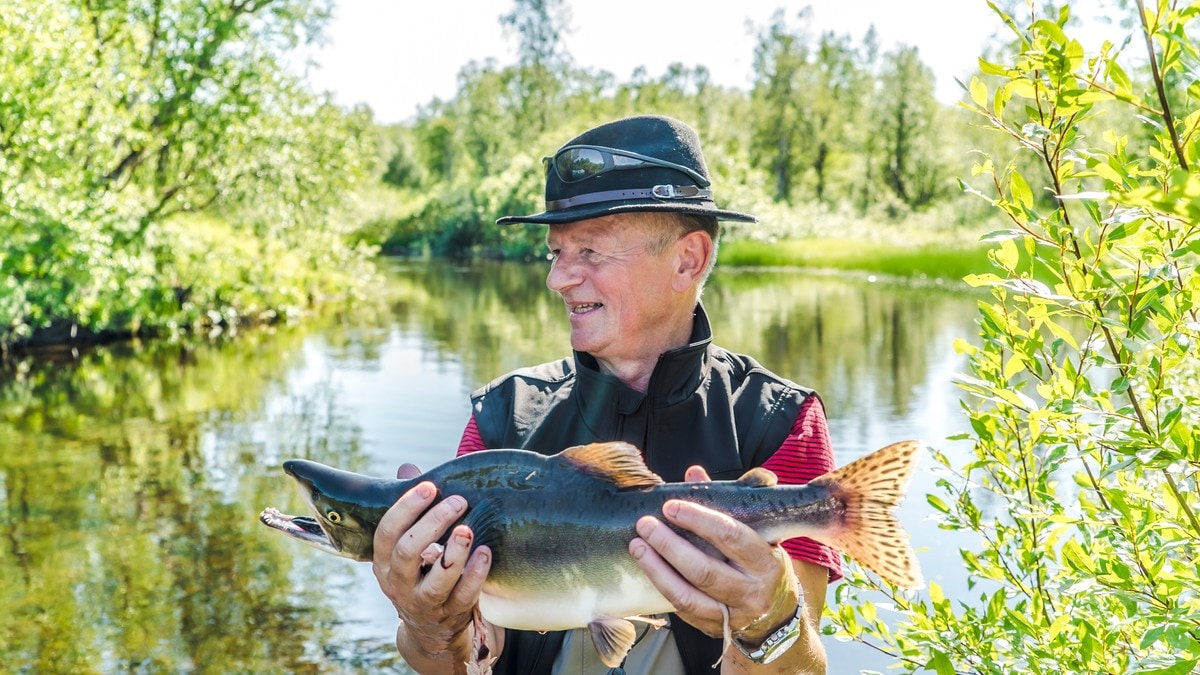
(395, 55)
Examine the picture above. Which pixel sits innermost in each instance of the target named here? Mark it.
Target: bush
(1085, 383)
(124, 124)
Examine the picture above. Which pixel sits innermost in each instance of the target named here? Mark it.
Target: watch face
(776, 643)
(778, 649)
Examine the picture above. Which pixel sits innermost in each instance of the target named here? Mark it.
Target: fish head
(341, 524)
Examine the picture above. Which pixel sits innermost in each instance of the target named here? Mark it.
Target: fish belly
(632, 595)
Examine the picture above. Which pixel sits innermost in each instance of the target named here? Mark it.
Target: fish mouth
(304, 528)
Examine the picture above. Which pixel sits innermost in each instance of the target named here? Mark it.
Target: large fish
(559, 526)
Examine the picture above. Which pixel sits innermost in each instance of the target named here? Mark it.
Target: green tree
(906, 123)
(868, 144)
(542, 59)
(806, 100)
(118, 117)
(402, 168)
(804, 134)
(1084, 480)
(488, 100)
(838, 88)
(780, 57)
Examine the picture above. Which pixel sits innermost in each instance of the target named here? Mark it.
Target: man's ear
(693, 252)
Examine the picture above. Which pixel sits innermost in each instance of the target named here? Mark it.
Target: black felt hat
(644, 163)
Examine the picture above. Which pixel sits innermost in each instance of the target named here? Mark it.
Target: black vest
(703, 405)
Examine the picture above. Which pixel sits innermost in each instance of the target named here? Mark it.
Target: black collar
(677, 375)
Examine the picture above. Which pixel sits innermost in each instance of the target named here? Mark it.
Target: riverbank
(191, 275)
(209, 286)
(951, 261)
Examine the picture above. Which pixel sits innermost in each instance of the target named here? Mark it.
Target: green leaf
(988, 68)
(1050, 30)
(1021, 193)
(978, 92)
(937, 503)
(1151, 636)
(1001, 235)
(1122, 85)
(1007, 254)
(941, 664)
(1108, 173)
(1062, 333)
(1074, 554)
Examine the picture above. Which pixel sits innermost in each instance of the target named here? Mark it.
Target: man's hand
(755, 581)
(434, 598)
(752, 582)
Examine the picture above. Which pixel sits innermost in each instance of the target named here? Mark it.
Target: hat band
(656, 192)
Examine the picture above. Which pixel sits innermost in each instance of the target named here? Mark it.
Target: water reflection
(130, 477)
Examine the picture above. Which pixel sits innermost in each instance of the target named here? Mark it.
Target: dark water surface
(131, 476)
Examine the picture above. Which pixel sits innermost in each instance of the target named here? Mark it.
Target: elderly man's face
(619, 296)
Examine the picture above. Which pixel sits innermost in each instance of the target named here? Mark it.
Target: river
(131, 475)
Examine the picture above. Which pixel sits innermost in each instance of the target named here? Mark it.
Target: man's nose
(563, 275)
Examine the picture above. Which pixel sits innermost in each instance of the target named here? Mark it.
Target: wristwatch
(776, 643)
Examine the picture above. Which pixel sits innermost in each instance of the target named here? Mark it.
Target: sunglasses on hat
(579, 162)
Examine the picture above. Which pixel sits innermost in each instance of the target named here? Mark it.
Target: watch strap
(778, 642)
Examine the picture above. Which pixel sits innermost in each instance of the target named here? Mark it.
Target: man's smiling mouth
(586, 307)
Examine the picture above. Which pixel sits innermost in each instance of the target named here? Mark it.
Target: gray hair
(672, 225)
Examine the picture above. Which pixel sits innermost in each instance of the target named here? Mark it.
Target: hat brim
(584, 212)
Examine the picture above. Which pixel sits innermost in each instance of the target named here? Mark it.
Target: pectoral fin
(484, 521)
(613, 638)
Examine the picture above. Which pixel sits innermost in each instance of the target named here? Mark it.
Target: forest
(163, 172)
(834, 132)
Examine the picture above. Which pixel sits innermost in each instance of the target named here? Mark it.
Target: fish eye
(334, 517)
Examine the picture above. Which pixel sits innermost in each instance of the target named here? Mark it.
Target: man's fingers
(430, 527)
(676, 589)
(444, 573)
(741, 545)
(696, 474)
(457, 548)
(708, 574)
(401, 516)
(431, 554)
(466, 592)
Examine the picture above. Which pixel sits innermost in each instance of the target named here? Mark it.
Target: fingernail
(424, 490)
(484, 557)
(646, 526)
(637, 548)
(462, 539)
(671, 508)
(457, 503)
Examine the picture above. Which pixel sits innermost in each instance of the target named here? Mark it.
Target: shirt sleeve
(804, 455)
(470, 441)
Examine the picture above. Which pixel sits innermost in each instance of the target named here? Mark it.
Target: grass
(952, 260)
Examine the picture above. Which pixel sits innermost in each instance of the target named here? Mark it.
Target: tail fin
(871, 488)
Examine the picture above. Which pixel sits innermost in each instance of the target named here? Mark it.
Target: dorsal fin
(616, 462)
(759, 477)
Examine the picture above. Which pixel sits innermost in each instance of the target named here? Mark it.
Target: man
(632, 233)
